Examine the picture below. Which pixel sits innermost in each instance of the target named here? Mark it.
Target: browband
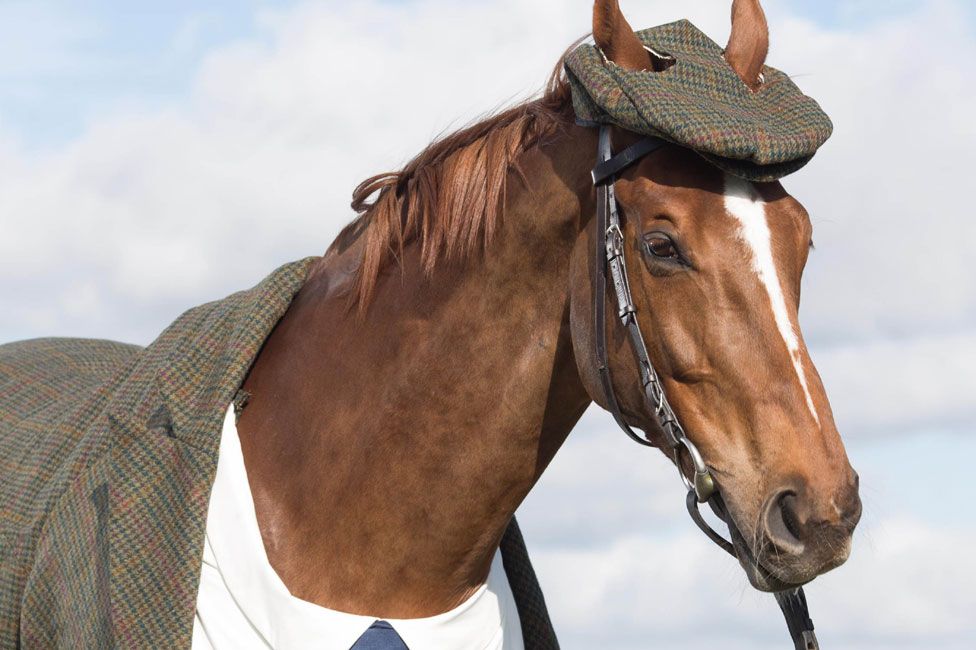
(607, 169)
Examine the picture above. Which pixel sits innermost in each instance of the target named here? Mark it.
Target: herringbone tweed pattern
(107, 457)
(702, 104)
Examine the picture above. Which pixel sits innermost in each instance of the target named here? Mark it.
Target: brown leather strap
(604, 203)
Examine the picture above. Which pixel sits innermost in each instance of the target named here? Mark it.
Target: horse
(442, 350)
(438, 355)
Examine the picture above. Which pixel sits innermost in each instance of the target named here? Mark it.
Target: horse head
(715, 264)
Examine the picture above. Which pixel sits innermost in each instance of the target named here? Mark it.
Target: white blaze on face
(747, 207)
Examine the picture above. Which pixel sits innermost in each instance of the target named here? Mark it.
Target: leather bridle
(610, 256)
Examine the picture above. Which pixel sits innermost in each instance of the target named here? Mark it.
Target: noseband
(610, 255)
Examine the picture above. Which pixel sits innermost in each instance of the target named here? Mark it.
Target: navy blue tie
(379, 636)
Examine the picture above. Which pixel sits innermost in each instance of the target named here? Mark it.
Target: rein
(610, 256)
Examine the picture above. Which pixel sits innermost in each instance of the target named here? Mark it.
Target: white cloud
(907, 586)
(602, 485)
(623, 566)
(886, 193)
(897, 385)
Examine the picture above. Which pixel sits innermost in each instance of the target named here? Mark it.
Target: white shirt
(242, 603)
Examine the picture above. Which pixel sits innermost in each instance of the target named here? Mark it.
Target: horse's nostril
(792, 523)
(782, 524)
(787, 505)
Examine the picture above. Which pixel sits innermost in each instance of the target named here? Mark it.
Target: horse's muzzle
(803, 535)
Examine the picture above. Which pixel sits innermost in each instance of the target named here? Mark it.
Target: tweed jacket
(107, 456)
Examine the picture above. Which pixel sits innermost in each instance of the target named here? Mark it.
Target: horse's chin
(760, 577)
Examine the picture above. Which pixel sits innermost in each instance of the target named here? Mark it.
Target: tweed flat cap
(700, 103)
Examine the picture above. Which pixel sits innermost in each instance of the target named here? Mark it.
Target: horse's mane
(452, 194)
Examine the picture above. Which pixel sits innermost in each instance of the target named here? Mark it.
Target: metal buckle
(807, 641)
(615, 242)
(606, 60)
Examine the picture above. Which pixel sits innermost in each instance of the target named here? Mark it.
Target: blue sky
(157, 155)
(66, 61)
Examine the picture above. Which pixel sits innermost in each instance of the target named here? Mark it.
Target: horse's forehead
(681, 181)
(679, 167)
(692, 185)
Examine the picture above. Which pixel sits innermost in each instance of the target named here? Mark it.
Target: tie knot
(380, 636)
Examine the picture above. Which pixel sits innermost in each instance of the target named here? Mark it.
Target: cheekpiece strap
(608, 220)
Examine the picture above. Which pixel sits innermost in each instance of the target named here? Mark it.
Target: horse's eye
(661, 246)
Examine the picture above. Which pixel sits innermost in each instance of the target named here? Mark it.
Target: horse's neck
(386, 455)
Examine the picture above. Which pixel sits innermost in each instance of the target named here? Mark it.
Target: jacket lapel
(158, 505)
(166, 423)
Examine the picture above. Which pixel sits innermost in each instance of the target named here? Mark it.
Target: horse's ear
(749, 41)
(613, 35)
